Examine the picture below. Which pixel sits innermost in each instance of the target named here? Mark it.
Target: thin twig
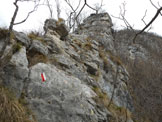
(156, 6)
(144, 17)
(152, 20)
(34, 9)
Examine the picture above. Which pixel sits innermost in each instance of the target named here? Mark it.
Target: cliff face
(86, 81)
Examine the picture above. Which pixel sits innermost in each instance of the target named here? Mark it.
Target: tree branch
(156, 6)
(152, 20)
(14, 16)
(122, 16)
(34, 9)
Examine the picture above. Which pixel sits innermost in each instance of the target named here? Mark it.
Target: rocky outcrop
(61, 97)
(38, 47)
(86, 81)
(58, 27)
(98, 27)
(16, 71)
(22, 38)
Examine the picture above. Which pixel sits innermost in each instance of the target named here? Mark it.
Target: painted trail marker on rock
(43, 76)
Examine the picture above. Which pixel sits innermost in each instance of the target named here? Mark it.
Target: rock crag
(85, 79)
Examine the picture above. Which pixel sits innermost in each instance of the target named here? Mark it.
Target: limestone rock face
(86, 81)
(61, 97)
(57, 26)
(21, 37)
(1, 44)
(38, 47)
(98, 27)
(16, 72)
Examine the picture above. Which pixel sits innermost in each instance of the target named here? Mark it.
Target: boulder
(98, 27)
(22, 38)
(53, 43)
(58, 26)
(16, 72)
(38, 47)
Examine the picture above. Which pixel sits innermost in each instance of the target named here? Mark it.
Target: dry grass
(119, 114)
(36, 36)
(35, 58)
(87, 46)
(17, 47)
(4, 33)
(10, 108)
(59, 21)
(107, 57)
(106, 64)
(88, 39)
(77, 42)
(115, 59)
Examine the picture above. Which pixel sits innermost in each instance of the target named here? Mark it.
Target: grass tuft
(87, 46)
(17, 47)
(4, 32)
(36, 58)
(10, 108)
(119, 114)
(36, 36)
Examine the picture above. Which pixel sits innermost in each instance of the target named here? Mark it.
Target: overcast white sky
(135, 11)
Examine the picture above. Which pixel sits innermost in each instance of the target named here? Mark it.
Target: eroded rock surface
(61, 97)
(86, 81)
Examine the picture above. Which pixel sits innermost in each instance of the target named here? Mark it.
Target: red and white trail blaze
(43, 76)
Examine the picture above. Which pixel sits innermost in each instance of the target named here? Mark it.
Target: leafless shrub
(146, 89)
(145, 76)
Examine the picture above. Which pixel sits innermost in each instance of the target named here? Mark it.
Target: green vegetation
(11, 110)
(17, 47)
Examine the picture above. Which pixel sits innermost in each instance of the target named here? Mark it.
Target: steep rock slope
(86, 81)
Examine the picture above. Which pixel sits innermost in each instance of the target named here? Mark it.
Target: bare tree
(151, 21)
(8, 40)
(72, 20)
(76, 12)
(12, 23)
(50, 8)
(122, 16)
(58, 8)
(147, 25)
(99, 7)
